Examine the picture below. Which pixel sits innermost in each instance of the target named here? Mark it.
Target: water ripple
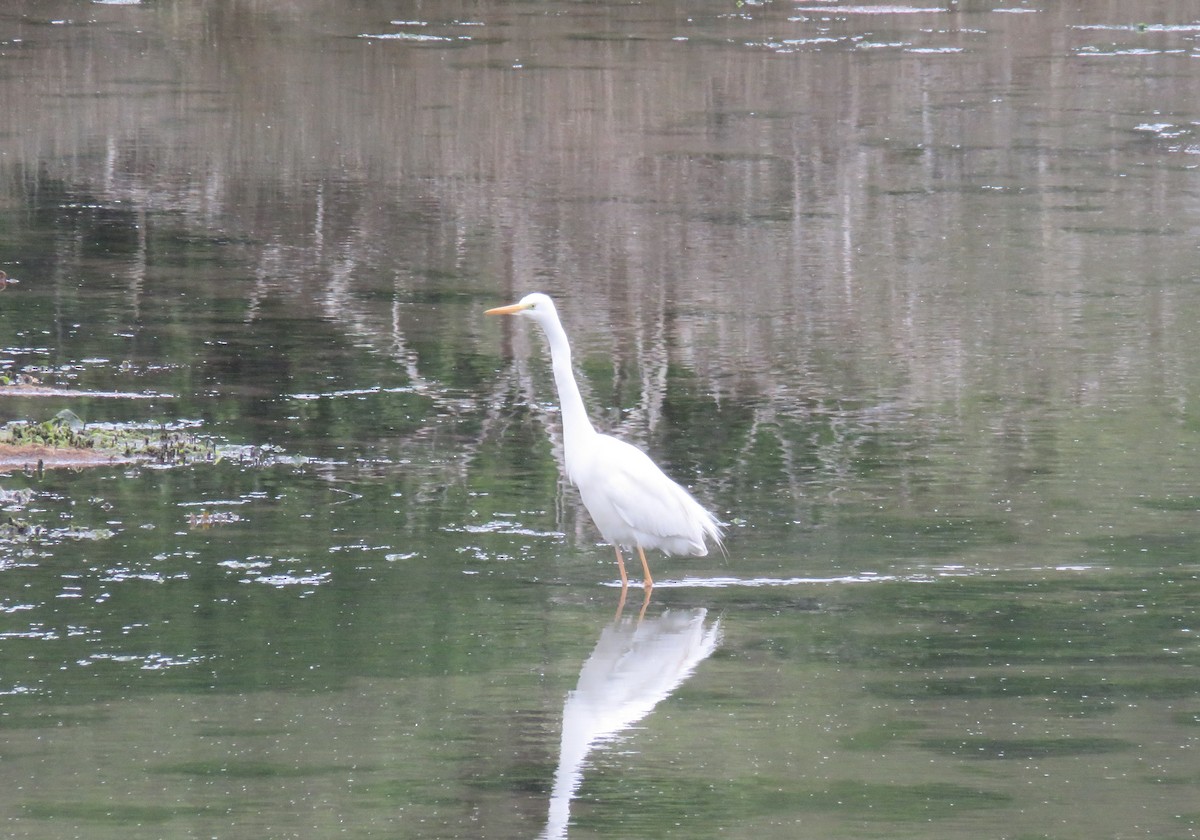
(147, 662)
(731, 582)
(871, 10)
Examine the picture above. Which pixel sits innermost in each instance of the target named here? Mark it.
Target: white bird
(633, 503)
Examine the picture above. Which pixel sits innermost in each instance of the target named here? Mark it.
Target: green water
(907, 298)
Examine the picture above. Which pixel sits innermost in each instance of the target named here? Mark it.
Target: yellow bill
(511, 309)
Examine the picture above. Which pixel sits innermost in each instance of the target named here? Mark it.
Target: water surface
(907, 293)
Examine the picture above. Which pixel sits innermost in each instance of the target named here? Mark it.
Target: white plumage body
(634, 503)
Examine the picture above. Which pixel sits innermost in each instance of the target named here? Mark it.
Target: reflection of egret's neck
(634, 666)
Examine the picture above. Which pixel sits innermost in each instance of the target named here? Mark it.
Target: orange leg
(621, 567)
(624, 582)
(648, 583)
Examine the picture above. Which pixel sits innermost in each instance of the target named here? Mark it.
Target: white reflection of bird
(633, 668)
(630, 499)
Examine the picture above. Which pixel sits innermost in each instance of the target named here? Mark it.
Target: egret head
(537, 306)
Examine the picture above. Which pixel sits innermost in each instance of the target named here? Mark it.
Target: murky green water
(909, 297)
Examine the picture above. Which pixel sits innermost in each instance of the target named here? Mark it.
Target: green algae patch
(65, 441)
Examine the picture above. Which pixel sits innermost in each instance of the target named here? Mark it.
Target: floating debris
(15, 499)
(207, 519)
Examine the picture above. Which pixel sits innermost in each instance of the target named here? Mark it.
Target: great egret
(630, 499)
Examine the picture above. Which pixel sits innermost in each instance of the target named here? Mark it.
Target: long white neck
(577, 428)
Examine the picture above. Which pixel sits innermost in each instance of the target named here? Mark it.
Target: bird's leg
(649, 581)
(621, 567)
(624, 582)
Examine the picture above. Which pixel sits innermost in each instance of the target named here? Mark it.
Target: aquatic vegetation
(14, 530)
(66, 441)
